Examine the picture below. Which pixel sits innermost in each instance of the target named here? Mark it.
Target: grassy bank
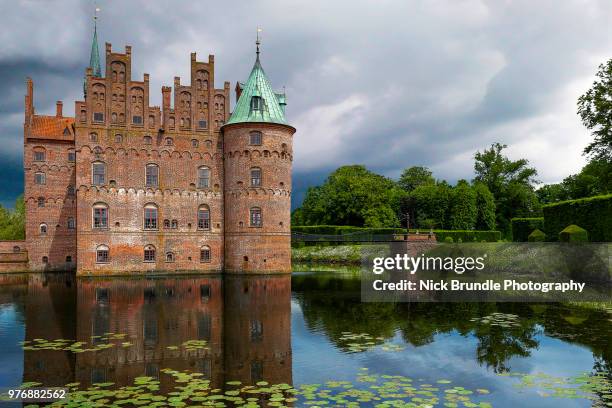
(339, 254)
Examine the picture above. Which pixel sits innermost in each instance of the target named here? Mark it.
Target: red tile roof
(52, 127)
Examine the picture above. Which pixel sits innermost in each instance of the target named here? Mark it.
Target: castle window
(152, 175)
(113, 117)
(205, 257)
(71, 157)
(148, 140)
(41, 201)
(100, 216)
(66, 131)
(102, 254)
(256, 331)
(118, 138)
(174, 224)
(83, 116)
(137, 120)
(40, 178)
(203, 218)
(255, 138)
(98, 117)
(169, 141)
(98, 174)
(194, 143)
(171, 122)
(256, 217)
(45, 259)
(93, 137)
(203, 177)
(39, 155)
(255, 177)
(43, 229)
(70, 191)
(169, 257)
(202, 124)
(150, 217)
(149, 253)
(70, 223)
(166, 223)
(256, 103)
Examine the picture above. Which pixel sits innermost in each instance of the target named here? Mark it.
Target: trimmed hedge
(574, 233)
(537, 236)
(522, 227)
(464, 236)
(594, 214)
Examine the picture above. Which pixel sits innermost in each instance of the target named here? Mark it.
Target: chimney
(58, 109)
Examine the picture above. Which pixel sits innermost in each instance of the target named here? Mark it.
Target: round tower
(257, 143)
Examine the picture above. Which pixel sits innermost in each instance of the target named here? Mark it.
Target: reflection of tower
(257, 190)
(258, 329)
(155, 315)
(50, 314)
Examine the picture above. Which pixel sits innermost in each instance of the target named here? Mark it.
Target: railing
(357, 237)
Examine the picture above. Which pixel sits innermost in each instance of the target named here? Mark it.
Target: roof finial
(257, 43)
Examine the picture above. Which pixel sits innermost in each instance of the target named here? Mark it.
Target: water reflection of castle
(250, 342)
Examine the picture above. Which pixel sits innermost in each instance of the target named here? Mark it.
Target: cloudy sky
(388, 84)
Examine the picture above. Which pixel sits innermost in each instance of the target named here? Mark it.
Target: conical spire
(94, 58)
(258, 102)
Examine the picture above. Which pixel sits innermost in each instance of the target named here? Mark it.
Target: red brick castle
(125, 187)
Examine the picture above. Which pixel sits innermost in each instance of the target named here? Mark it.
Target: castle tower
(258, 154)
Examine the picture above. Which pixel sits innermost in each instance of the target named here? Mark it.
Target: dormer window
(256, 103)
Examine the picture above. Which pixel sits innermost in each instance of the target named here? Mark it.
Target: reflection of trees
(496, 345)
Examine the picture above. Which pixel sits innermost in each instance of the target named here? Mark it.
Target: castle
(125, 187)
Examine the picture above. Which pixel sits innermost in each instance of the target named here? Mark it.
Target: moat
(299, 340)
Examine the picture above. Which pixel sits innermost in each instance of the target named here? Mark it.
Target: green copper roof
(94, 58)
(272, 109)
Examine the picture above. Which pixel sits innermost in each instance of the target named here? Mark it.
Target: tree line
(501, 189)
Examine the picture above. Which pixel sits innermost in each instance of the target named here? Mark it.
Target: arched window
(39, 154)
(169, 257)
(148, 140)
(150, 216)
(203, 218)
(194, 143)
(70, 223)
(205, 254)
(102, 254)
(169, 141)
(118, 138)
(256, 103)
(255, 177)
(203, 177)
(174, 224)
(255, 138)
(114, 117)
(41, 201)
(166, 223)
(40, 178)
(93, 137)
(98, 171)
(256, 217)
(149, 253)
(43, 229)
(100, 215)
(152, 175)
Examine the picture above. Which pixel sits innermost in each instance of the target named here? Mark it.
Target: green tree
(415, 176)
(594, 179)
(12, 223)
(353, 195)
(485, 207)
(510, 182)
(428, 205)
(595, 110)
(462, 210)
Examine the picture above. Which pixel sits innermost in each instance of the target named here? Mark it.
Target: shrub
(594, 214)
(522, 227)
(448, 240)
(463, 212)
(573, 233)
(537, 236)
(468, 235)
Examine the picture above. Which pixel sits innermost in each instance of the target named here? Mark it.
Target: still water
(308, 332)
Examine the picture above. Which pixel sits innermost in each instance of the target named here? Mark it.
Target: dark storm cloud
(388, 84)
